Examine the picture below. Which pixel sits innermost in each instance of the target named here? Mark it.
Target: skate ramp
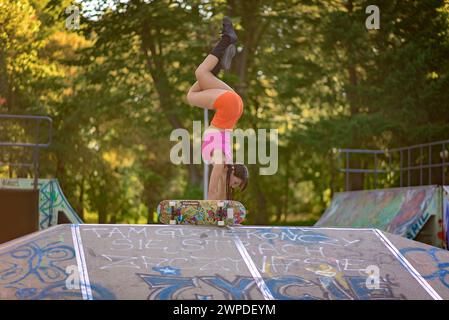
(51, 200)
(446, 215)
(19, 213)
(196, 262)
(431, 262)
(400, 211)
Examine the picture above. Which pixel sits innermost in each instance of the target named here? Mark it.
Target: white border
(81, 261)
(252, 268)
(407, 265)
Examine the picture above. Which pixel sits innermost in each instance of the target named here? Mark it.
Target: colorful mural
(401, 211)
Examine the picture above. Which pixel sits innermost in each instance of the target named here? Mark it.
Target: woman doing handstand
(211, 93)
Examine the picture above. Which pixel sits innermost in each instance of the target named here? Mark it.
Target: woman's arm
(217, 190)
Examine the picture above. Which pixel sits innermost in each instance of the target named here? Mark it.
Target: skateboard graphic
(201, 212)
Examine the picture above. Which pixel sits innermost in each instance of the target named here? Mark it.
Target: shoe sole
(227, 57)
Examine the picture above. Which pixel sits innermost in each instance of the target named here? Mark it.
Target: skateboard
(201, 212)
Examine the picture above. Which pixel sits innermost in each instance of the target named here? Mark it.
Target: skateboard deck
(207, 212)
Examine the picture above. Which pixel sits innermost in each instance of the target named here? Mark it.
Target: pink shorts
(217, 140)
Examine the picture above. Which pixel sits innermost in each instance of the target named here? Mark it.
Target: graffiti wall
(401, 211)
(51, 200)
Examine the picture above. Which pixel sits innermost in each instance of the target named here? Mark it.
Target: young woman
(212, 93)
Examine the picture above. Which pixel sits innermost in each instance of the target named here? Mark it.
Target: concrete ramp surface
(196, 262)
(401, 211)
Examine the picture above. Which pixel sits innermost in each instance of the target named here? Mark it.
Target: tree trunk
(4, 86)
(356, 180)
(60, 171)
(150, 214)
(102, 216)
(80, 206)
(284, 210)
(261, 213)
(253, 29)
(113, 219)
(152, 50)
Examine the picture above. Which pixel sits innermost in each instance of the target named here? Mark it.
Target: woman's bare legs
(208, 87)
(206, 78)
(205, 91)
(204, 98)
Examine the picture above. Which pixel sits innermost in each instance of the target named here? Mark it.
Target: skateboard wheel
(221, 223)
(172, 221)
(172, 203)
(220, 204)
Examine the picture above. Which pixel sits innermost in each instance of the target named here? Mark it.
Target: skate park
(82, 177)
(359, 230)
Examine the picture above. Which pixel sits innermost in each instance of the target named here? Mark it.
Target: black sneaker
(225, 49)
(228, 54)
(228, 30)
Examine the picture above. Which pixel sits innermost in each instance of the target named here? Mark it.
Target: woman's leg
(206, 78)
(206, 90)
(208, 87)
(204, 99)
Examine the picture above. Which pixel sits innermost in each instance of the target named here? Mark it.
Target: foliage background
(116, 88)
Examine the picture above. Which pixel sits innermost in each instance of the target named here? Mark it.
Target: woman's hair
(241, 172)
